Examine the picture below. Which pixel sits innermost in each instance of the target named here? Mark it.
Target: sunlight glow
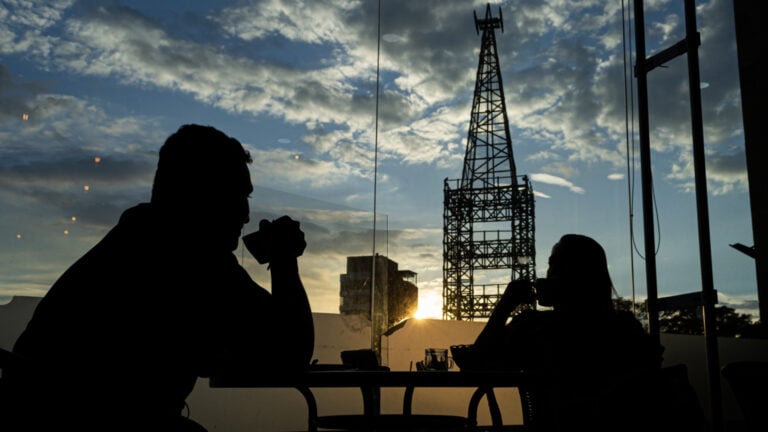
(430, 305)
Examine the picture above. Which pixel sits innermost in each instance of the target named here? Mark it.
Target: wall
(285, 409)
(691, 350)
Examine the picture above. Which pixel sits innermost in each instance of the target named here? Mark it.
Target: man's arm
(296, 341)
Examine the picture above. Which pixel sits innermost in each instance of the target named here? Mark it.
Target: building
(396, 292)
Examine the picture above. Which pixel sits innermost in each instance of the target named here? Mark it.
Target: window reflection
(90, 92)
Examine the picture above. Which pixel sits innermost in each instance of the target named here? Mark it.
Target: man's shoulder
(137, 214)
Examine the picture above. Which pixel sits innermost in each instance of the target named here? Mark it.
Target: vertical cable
(629, 171)
(375, 176)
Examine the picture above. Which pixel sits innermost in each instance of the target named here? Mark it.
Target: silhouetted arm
(518, 292)
(296, 337)
(297, 333)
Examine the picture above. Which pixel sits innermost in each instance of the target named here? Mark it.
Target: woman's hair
(584, 266)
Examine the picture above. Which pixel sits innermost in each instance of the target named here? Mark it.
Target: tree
(690, 321)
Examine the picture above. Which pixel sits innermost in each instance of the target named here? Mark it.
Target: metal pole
(702, 211)
(645, 171)
(750, 34)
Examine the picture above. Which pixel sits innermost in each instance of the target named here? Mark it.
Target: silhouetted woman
(582, 345)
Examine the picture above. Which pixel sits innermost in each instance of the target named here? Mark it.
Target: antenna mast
(488, 216)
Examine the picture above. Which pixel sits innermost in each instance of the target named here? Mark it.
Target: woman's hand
(518, 292)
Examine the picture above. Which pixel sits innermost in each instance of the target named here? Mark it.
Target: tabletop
(376, 378)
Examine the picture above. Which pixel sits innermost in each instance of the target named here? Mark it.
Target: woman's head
(578, 273)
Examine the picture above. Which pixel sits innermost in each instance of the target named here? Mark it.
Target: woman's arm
(518, 292)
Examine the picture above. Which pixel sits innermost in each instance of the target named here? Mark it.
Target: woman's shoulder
(532, 316)
(536, 324)
(627, 318)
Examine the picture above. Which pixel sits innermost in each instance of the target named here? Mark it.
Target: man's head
(202, 178)
(578, 273)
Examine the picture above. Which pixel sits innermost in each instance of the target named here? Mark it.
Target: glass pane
(90, 90)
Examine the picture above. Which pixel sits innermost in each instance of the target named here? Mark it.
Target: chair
(749, 380)
(642, 401)
(496, 418)
(9, 392)
(9, 359)
(671, 402)
(662, 400)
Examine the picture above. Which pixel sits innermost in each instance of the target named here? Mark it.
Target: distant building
(396, 295)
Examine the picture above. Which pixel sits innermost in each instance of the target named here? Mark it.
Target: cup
(437, 359)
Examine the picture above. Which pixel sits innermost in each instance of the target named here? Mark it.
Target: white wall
(13, 318)
(285, 409)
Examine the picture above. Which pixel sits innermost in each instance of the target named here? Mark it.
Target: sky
(346, 118)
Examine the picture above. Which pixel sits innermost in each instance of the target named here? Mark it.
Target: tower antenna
(488, 215)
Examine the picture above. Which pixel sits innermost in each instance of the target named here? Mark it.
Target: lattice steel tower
(488, 216)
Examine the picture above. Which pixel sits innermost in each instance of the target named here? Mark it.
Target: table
(371, 381)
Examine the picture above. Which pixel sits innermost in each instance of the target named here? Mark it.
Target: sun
(430, 305)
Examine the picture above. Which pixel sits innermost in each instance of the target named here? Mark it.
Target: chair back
(749, 382)
(676, 405)
(9, 360)
(639, 401)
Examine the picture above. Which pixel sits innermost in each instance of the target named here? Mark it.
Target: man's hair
(195, 159)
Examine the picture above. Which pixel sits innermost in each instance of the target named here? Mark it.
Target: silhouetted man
(120, 339)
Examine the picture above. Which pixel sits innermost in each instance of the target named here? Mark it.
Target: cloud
(315, 65)
(317, 22)
(556, 181)
(743, 304)
(725, 172)
(616, 176)
(311, 71)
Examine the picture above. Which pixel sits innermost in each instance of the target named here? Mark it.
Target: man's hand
(287, 238)
(279, 239)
